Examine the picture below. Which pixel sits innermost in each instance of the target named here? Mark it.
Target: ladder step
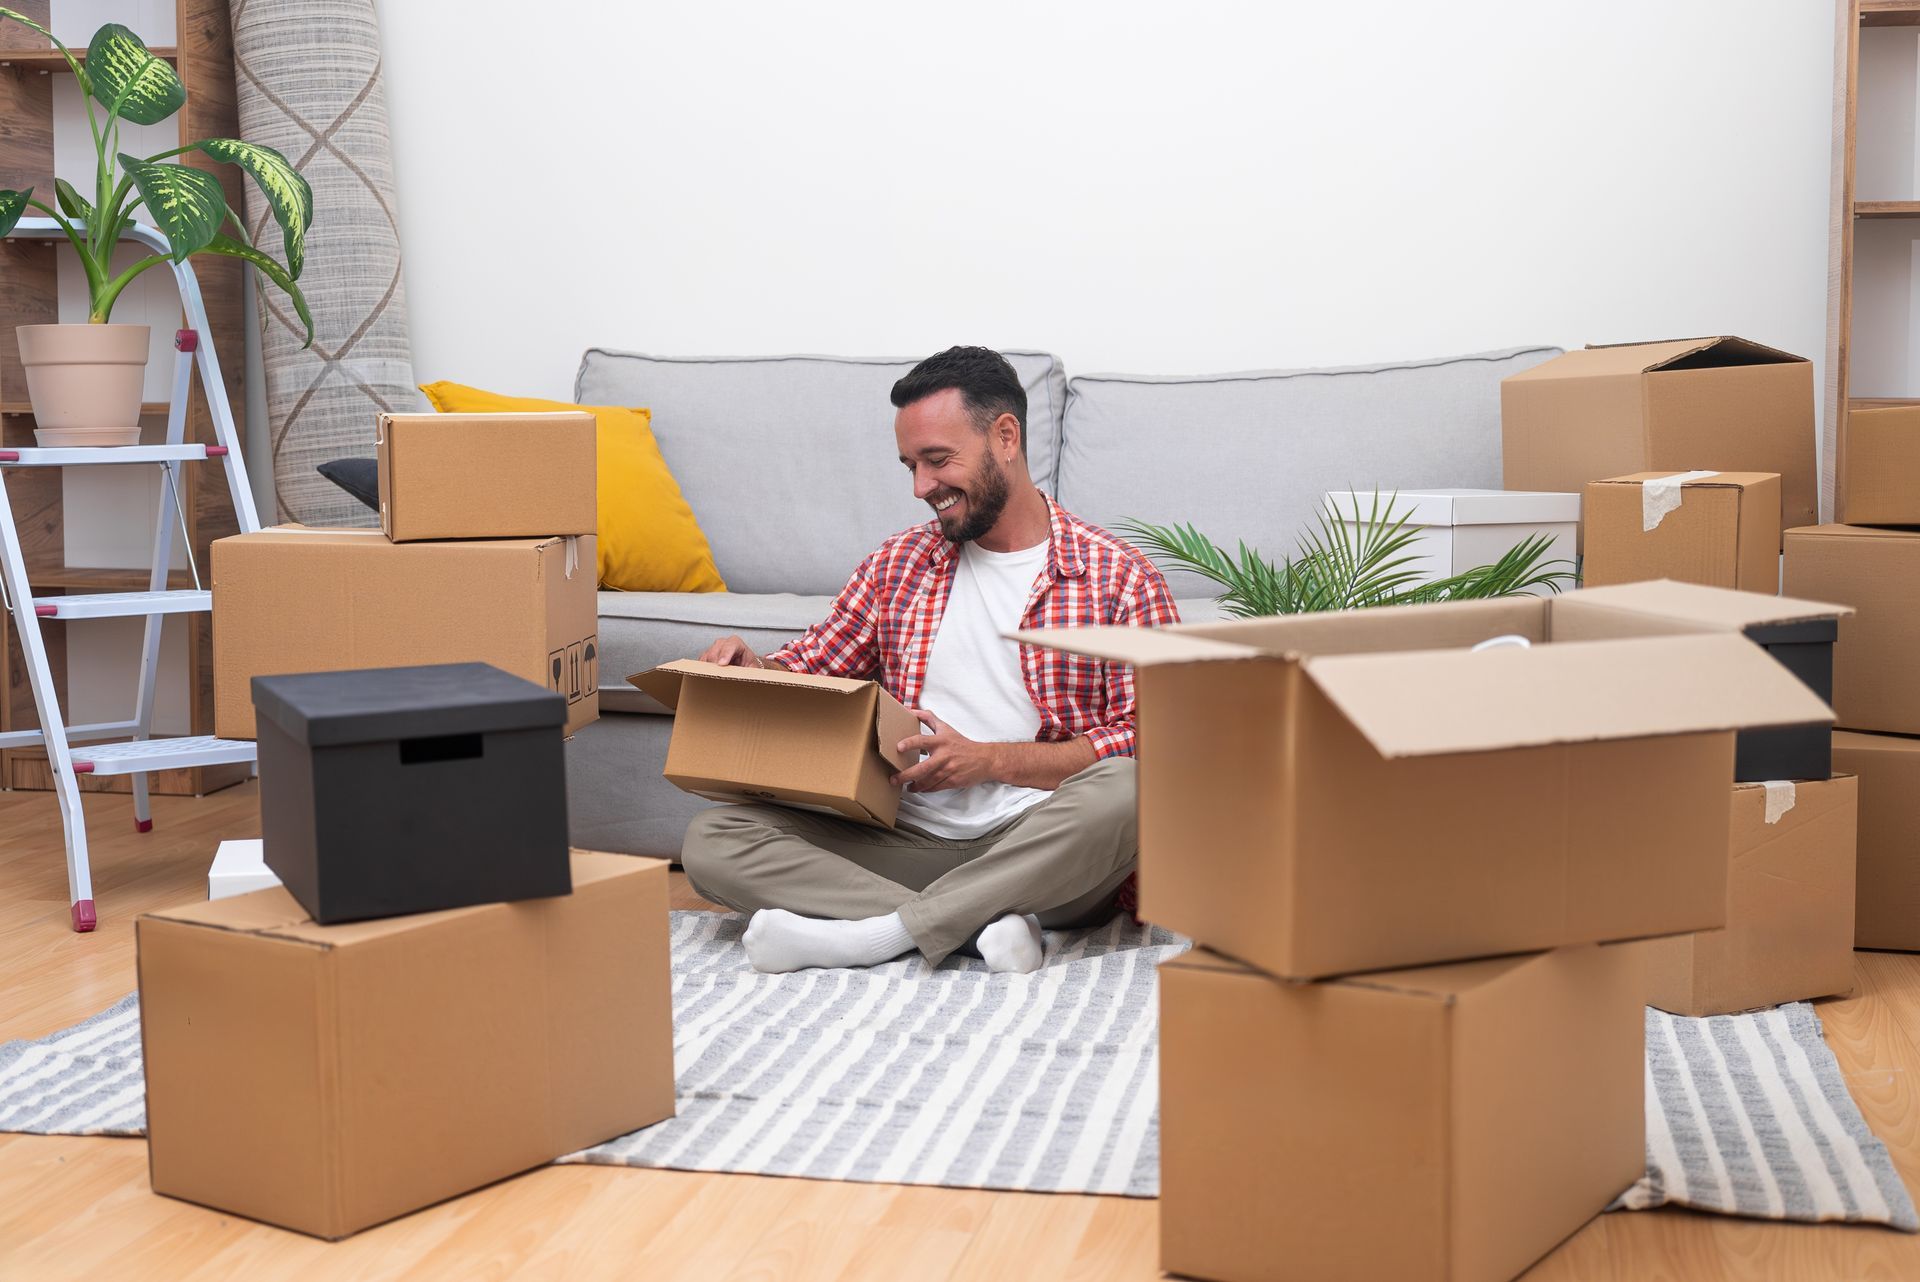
(123, 605)
(74, 455)
(142, 755)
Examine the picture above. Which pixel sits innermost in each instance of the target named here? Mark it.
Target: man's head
(961, 429)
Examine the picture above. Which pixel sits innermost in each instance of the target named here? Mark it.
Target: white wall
(1135, 186)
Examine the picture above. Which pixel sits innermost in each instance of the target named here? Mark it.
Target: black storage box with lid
(1803, 647)
(386, 791)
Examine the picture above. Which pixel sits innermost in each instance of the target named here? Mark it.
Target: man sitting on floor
(1021, 813)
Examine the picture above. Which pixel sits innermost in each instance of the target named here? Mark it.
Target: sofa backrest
(789, 462)
(1249, 456)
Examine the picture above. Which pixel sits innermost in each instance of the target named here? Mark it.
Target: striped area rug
(1748, 1115)
(1047, 1082)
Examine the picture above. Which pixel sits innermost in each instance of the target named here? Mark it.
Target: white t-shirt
(974, 685)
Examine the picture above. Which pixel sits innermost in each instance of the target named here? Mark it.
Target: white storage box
(1459, 530)
(238, 868)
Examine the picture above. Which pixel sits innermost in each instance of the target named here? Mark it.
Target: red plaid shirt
(883, 623)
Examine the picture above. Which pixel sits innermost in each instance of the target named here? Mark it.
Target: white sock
(779, 941)
(1012, 944)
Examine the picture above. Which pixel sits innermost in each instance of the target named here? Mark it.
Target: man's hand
(952, 760)
(732, 652)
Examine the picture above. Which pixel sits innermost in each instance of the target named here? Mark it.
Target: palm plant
(122, 76)
(1344, 565)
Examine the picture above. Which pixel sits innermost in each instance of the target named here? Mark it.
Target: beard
(986, 500)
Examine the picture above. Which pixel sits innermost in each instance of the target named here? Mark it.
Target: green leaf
(128, 80)
(72, 203)
(186, 204)
(273, 271)
(12, 203)
(79, 71)
(284, 187)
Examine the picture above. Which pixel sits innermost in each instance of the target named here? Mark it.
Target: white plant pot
(85, 382)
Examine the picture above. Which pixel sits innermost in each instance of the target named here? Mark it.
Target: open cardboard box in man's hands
(765, 734)
(1322, 794)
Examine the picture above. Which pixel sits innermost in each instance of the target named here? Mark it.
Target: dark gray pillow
(359, 477)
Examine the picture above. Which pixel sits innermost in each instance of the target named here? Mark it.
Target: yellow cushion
(649, 540)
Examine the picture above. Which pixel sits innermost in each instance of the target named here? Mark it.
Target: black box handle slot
(443, 747)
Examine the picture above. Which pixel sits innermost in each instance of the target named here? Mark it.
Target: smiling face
(955, 470)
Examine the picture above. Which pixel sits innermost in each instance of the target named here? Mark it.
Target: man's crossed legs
(829, 892)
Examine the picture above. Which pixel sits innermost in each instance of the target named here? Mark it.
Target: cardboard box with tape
(1451, 1123)
(1725, 403)
(762, 734)
(485, 476)
(1324, 794)
(1790, 906)
(1876, 683)
(1887, 874)
(1880, 466)
(297, 599)
(329, 1078)
(1721, 529)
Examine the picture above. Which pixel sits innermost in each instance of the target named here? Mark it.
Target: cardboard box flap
(663, 682)
(1137, 646)
(892, 723)
(1724, 608)
(1426, 703)
(1726, 352)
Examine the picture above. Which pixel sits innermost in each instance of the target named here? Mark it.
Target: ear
(1006, 436)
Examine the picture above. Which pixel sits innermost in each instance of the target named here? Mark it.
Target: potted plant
(1345, 565)
(85, 380)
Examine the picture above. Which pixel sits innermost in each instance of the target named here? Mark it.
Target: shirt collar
(1066, 557)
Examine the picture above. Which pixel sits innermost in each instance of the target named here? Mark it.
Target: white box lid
(1461, 506)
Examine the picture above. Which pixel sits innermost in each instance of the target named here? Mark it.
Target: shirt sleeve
(846, 642)
(1147, 603)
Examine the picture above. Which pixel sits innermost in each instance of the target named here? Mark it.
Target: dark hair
(986, 382)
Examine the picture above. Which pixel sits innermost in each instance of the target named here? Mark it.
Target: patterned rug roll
(309, 83)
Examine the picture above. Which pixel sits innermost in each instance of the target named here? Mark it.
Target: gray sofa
(789, 464)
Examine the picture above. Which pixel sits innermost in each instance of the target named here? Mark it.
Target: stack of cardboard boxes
(1696, 461)
(438, 993)
(486, 554)
(1409, 865)
(1872, 562)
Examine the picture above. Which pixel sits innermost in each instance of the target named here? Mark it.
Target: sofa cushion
(1249, 455)
(641, 630)
(789, 461)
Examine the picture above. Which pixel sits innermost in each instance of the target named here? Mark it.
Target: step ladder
(125, 747)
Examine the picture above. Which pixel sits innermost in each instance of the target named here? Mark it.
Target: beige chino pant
(1063, 860)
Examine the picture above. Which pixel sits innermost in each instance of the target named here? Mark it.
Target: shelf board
(1886, 209)
(76, 578)
(26, 408)
(51, 59)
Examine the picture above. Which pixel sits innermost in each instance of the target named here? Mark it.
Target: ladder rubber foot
(143, 825)
(83, 917)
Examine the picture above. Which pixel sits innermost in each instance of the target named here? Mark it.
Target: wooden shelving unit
(203, 53)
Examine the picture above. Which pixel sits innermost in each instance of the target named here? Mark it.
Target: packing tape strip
(1779, 798)
(573, 554)
(1662, 495)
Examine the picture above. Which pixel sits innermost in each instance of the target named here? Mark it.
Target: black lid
(369, 705)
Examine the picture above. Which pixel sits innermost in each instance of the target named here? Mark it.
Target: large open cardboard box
(1447, 1124)
(486, 476)
(328, 1078)
(1723, 403)
(1344, 792)
(297, 599)
(1789, 931)
(764, 734)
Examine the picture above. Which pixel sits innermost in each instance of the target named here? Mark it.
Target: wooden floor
(80, 1208)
